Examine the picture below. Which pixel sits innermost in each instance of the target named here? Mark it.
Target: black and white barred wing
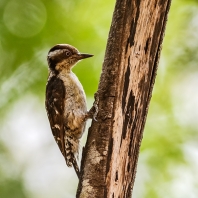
(55, 94)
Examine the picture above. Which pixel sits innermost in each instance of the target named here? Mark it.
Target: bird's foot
(93, 112)
(95, 105)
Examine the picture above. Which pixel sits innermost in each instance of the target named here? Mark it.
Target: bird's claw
(95, 105)
(93, 112)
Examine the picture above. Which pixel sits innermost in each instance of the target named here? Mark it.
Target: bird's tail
(71, 148)
(76, 168)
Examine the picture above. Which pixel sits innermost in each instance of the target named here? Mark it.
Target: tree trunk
(129, 70)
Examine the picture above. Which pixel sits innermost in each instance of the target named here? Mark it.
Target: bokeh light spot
(25, 18)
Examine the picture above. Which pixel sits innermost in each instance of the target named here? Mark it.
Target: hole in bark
(121, 143)
(128, 114)
(128, 167)
(109, 153)
(147, 45)
(132, 131)
(116, 176)
(126, 47)
(126, 84)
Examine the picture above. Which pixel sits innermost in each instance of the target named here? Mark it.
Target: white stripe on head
(54, 53)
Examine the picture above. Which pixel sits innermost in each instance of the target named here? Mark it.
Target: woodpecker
(66, 101)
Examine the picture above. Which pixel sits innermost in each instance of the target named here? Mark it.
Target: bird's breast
(75, 99)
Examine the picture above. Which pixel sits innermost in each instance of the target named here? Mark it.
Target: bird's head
(63, 57)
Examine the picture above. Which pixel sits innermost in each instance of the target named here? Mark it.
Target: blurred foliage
(11, 188)
(28, 29)
(10, 184)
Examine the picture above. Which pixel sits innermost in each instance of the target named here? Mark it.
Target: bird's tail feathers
(72, 151)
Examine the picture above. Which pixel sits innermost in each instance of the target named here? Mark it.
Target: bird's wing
(55, 94)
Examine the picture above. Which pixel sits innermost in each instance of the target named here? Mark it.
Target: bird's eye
(67, 53)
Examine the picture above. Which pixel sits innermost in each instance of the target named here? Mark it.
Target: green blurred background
(31, 165)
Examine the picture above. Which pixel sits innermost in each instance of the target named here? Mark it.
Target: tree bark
(110, 156)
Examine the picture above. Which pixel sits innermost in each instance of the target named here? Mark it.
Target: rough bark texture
(111, 152)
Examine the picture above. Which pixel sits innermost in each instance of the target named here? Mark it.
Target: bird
(66, 101)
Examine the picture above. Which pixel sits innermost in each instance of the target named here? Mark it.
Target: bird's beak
(83, 56)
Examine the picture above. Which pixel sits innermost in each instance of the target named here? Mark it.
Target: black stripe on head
(59, 46)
